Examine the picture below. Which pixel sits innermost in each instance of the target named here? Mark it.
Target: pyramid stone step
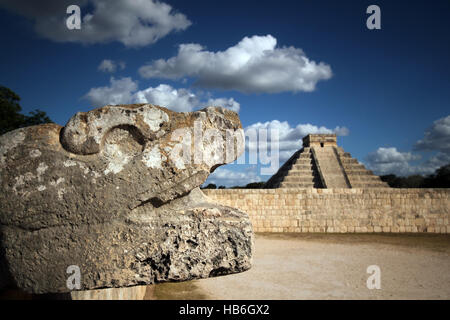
(364, 177)
(307, 161)
(349, 161)
(298, 176)
(353, 166)
(294, 172)
(305, 155)
(299, 179)
(296, 185)
(304, 159)
(345, 155)
(370, 185)
(302, 167)
(359, 172)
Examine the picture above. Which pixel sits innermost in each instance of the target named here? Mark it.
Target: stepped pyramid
(322, 164)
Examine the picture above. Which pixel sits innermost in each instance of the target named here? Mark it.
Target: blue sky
(386, 90)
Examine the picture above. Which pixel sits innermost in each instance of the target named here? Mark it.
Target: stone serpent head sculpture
(115, 193)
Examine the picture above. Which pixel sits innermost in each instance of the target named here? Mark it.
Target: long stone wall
(341, 210)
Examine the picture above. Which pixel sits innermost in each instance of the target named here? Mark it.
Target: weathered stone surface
(105, 193)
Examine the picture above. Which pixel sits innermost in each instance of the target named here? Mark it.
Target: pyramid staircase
(322, 164)
(298, 172)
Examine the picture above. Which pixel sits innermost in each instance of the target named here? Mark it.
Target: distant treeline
(440, 179)
(253, 185)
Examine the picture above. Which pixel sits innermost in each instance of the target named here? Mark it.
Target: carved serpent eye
(86, 132)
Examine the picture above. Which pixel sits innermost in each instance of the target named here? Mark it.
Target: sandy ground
(321, 266)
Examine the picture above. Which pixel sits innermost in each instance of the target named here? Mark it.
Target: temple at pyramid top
(320, 140)
(321, 163)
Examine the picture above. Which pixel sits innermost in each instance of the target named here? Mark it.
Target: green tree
(36, 117)
(210, 186)
(391, 179)
(440, 179)
(255, 185)
(414, 181)
(10, 116)
(251, 185)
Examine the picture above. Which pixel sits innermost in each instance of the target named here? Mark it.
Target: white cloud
(225, 177)
(437, 137)
(181, 100)
(226, 103)
(390, 160)
(290, 138)
(255, 64)
(131, 22)
(111, 66)
(120, 91)
(388, 155)
(437, 161)
(125, 90)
